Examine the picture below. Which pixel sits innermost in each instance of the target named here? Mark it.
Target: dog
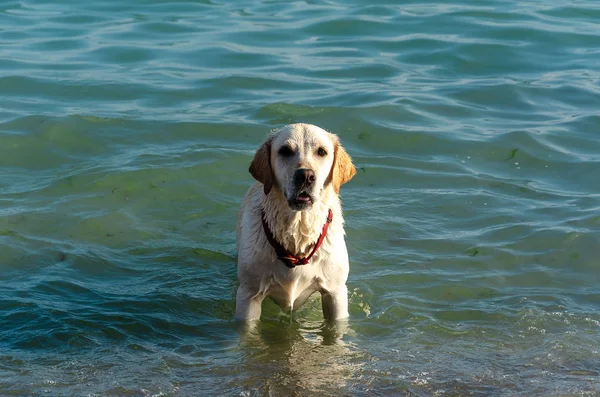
(290, 234)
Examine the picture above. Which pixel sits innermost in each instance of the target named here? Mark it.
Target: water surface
(473, 224)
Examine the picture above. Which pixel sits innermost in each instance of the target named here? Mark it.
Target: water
(473, 224)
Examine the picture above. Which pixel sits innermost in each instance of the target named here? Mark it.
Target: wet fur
(260, 273)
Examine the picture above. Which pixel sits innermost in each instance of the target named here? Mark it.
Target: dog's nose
(304, 176)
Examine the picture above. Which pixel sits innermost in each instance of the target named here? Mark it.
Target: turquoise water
(473, 224)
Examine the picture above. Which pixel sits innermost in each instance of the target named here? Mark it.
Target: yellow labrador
(290, 235)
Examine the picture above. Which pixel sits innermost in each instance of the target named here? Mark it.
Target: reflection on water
(289, 357)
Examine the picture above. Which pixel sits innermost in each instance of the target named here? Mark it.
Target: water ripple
(472, 223)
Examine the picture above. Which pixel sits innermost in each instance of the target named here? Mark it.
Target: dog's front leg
(247, 304)
(335, 303)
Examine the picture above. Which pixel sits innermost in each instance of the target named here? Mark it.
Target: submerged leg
(335, 304)
(248, 305)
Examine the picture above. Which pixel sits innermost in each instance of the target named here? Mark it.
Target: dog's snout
(304, 176)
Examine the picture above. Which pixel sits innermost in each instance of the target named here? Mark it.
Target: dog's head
(302, 160)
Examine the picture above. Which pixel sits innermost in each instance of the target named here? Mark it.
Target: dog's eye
(286, 151)
(322, 152)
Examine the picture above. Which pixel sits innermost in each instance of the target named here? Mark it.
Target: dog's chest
(290, 289)
(300, 233)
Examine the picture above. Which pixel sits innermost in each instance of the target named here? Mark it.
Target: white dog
(290, 235)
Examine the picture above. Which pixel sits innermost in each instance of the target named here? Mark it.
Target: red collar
(289, 259)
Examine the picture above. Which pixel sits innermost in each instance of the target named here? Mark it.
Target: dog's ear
(260, 168)
(342, 169)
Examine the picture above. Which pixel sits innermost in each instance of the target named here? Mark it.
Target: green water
(473, 223)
